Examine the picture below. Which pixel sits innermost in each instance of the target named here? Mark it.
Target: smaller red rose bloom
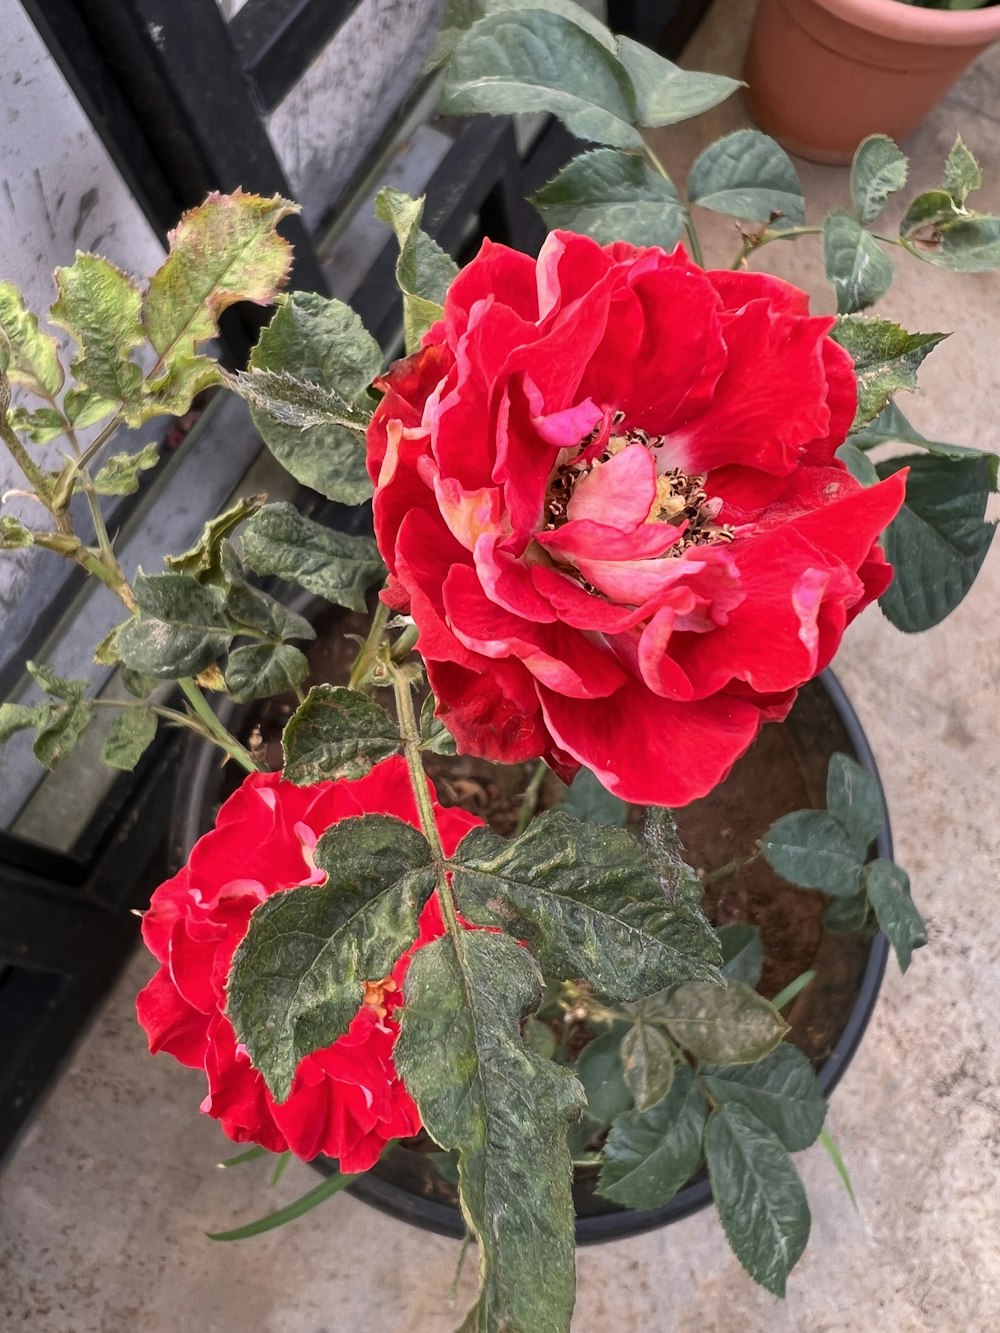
(348, 1100)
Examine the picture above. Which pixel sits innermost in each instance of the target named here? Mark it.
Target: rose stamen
(375, 993)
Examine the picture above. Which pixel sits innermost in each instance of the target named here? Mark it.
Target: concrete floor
(105, 1205)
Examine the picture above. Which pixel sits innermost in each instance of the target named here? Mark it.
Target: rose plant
(624, 505)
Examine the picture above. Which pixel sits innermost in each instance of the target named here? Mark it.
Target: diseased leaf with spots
(297, 977)
(878, 170)
(33, 358)
(886, 359)
(860, 271)
(729, 1024)
(260, 670)
(129, 738)
(648, 1061)
(323, 343)
(587, 902)
(336, 733)
(14, 534)
(182, 628)
(204, 560)
(758, 1193)
(650, 1155)
(100, 306)
(962, 173)
(506, 1111)
(120, 473)
(330, 564)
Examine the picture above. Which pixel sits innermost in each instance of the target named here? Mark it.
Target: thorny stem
(362, 670)
(216, 730)
(529, 802)
(765, 237)
(410, 732)
(692, 235)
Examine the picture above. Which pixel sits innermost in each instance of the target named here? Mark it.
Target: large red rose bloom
(606, 492)
(346, 1101)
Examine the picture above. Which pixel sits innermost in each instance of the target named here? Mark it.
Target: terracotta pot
(824, 74)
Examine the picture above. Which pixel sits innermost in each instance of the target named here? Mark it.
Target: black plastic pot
(399, 1184)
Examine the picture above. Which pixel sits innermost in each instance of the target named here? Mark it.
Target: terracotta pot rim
(941, 27)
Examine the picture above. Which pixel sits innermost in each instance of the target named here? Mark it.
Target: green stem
(730, 868)
(35, 476)
(405, 644)
(216, 730)
(410, 732)
(694, 244)
(362, 670)
(529, 802)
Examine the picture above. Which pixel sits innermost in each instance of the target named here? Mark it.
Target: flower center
(375, 992)
(680, 500)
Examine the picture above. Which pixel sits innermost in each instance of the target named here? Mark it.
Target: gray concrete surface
(105, 1205)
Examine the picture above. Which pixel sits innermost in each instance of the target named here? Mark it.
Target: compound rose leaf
(336, 565)
(649, 1155)
(505, 1110)
(336, 733)
(297, 978)
(758, 1193)
(586, 900)
(537, 61)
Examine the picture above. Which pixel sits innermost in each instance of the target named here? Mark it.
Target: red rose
(606, 492)
(346, 1101)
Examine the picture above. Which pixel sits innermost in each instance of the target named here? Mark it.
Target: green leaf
(939, 539)
(891, 427)
(758, 1193)
(100, 307)
(296, 403)
(650, 1155)
(259, 670)
(255, 612)
(40, 426)
(61, 730)
(297, 977)
(60, 687)
(120, 474)
(330, 564)
(505, 1110)
(888, 888)
(590, 800)
(539, 1037)
(332, 1185)
(665, 93)
(460, 15)
(182, 630)
(601, 1072)
(742, 952)
(648, 1062)
(225, 250)
(885, 357)
(19, 717)
(878, 170)
(962, 173)
(833, 1152)
(941, 232)
(721, 1024)
(336, 733)
(613, 196)
(859, 269)
(813, 849)
(781, 1090)
(205, 558)
(538, 61)
(846, 916)
(858, 464)
(13, 534)
(129, 738)
(424, 271)
(747, 175)
(586, 902)
(33, 356)
(324, 343)
(434, 735)
(853, 796)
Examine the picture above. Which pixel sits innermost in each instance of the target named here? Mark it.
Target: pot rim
(907, 23)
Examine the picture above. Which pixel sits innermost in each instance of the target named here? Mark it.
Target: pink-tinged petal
(237, 1094)
(508, 276)
(401, 489)
(406, 387)
(507, 580)
(618, 493)
(585, 539)
(468, 514)
(680, 751)
(562, 658)
(170, 1023)
(524, 461)
(426, 553)
(569, 267)
(770, 403)
(635, 581)
(576, 606)
(659, 671)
